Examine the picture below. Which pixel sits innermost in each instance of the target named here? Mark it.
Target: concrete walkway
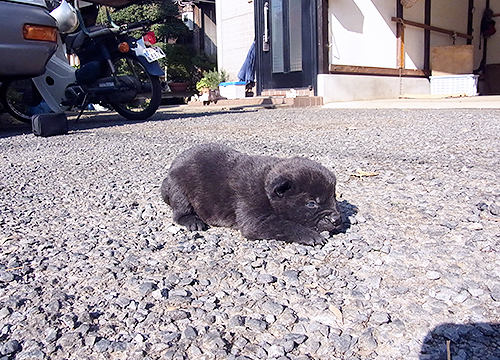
(479, 102)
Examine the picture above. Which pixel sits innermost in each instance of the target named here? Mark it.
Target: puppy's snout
(330, 222)
(336, 219)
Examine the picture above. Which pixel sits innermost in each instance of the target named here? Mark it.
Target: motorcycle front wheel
(148, 97)
(21, 99)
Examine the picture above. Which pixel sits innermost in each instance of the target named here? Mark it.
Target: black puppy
(264, 197)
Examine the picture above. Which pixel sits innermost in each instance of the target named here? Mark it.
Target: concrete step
(264, 101)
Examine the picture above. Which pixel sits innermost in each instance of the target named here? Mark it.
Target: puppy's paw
(312, 238)
(192, 223)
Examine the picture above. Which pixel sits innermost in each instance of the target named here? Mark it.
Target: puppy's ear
(281, 185)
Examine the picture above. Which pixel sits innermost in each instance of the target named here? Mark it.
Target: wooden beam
(369, 70)
(432, 28)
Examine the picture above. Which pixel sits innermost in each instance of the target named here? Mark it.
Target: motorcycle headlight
(65, 15)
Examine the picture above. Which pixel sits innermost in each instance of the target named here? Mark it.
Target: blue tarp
(247, 71)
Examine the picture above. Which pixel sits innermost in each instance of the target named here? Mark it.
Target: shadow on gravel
(347, 210)
(462, 342)
(10, 127)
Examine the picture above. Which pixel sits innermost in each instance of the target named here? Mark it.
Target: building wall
(235, 34)
(361, 32)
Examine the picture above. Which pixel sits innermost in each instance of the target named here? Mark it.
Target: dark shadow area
(479, 341)
(98, 120)
(346, 210)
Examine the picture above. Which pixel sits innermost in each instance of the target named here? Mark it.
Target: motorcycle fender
(152, 68)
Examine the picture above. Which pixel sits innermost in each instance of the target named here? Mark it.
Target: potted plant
(208, 86)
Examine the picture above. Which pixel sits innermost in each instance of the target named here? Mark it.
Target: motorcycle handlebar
(136, 25)
(122, 29)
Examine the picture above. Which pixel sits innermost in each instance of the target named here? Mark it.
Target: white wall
(235, 34)
(361, 32)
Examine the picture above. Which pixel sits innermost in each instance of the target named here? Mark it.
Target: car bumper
(20, 57)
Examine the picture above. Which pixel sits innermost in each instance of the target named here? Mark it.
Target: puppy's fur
(264, 197)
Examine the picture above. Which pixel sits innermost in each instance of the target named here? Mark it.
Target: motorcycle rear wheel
(148, 97)
(20, 98)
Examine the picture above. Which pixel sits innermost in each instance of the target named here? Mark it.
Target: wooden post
(323, 49)
(427, 35)
(470, 19)
(400, 35)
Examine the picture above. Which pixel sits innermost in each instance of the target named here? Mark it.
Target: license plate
(153, 53)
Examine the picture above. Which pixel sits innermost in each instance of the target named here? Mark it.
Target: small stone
(494, 209)
(178, 292)
(69, 321)
(190, 332)
(433, 275)
(51, 335)
(477, 292)
(379, 318)
(287, 317)
(373, 282)
(69, 340)
(118, 346)
(178, 314)
(445, 294)
(10, 347)
(482, 206)
(256, 324)
(296, 338)
(123, 302)
(236, 320)
(291, 276)
(89, 340)
(272, 307)
(146, 287)
(174, 229)
(310, 346)
(460, 298)
(475, 226)
(139, 339)
(367, 342)
(265, 279)
(6, 276)
(102, 345)
(4, 312)
(495, 292)
(324, 271)
(160, 294)
(342, 343)
(275, 351)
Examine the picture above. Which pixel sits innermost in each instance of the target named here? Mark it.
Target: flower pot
(177, 87)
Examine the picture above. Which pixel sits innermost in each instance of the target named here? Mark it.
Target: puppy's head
(303, 191)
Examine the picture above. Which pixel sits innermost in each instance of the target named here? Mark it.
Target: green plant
(212, 79)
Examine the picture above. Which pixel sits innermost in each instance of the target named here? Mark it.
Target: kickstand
(85, 104)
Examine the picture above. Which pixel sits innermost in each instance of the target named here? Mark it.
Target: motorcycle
(116, 70)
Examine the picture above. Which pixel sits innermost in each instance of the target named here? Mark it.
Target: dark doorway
(285, 44)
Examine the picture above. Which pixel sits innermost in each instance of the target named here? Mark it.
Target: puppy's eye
(312, 204)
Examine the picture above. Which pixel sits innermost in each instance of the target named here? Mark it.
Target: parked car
(28, 38)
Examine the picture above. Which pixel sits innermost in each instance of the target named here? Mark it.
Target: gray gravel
(92, 267)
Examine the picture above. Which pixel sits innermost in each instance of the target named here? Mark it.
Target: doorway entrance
(285, 44)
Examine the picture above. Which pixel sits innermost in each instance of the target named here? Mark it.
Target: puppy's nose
(335, 218)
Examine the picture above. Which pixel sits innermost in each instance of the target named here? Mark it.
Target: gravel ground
(92, 267)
